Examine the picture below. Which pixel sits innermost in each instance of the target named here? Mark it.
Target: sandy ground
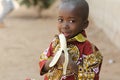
(24, 37)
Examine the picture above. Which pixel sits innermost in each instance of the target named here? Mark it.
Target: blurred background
(28, 26)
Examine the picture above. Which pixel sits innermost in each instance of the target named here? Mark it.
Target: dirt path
(24, 38)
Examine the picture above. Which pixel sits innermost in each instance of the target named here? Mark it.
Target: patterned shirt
(83, 53)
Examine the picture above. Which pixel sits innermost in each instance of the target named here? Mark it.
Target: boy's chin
(68, 37)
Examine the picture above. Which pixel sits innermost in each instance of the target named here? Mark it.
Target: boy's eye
(60, 20)
(72, 21)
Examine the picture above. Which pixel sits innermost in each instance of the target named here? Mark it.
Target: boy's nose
(65, 25)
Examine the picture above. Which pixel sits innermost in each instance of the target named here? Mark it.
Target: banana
(63, 47)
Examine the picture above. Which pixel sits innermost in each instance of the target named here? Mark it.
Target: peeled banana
(63, 47)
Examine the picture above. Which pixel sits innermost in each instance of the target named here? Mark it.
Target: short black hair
(84, 7)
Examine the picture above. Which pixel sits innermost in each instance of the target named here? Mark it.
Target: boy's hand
(46, 67)
(72, 66)
(61, 59)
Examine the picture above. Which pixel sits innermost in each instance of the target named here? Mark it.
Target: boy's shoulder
(89, 47)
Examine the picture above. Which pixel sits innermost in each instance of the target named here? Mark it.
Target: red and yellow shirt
(84, 54)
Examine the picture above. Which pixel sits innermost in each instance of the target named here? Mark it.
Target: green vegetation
(39, 4)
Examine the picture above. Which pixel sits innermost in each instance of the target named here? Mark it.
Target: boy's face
(69, 20)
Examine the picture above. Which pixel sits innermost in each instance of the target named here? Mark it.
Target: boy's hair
(82, 4)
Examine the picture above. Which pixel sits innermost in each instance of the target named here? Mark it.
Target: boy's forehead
(79, 7)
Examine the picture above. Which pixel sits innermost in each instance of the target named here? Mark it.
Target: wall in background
(105, 14)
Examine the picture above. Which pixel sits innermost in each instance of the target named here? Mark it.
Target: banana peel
(63, 47)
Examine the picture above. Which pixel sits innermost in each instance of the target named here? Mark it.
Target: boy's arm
(92, 59)
(45, 59)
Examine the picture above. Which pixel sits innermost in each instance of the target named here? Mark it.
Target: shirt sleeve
(44, 57)
(92, 59)
(47, 54)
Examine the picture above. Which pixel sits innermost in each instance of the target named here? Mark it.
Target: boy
(84, 58)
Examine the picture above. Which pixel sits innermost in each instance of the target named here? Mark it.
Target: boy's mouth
(66, 34)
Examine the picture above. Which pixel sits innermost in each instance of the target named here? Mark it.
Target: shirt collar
(81, 37)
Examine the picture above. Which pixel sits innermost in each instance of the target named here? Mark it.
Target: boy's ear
(86, 24)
